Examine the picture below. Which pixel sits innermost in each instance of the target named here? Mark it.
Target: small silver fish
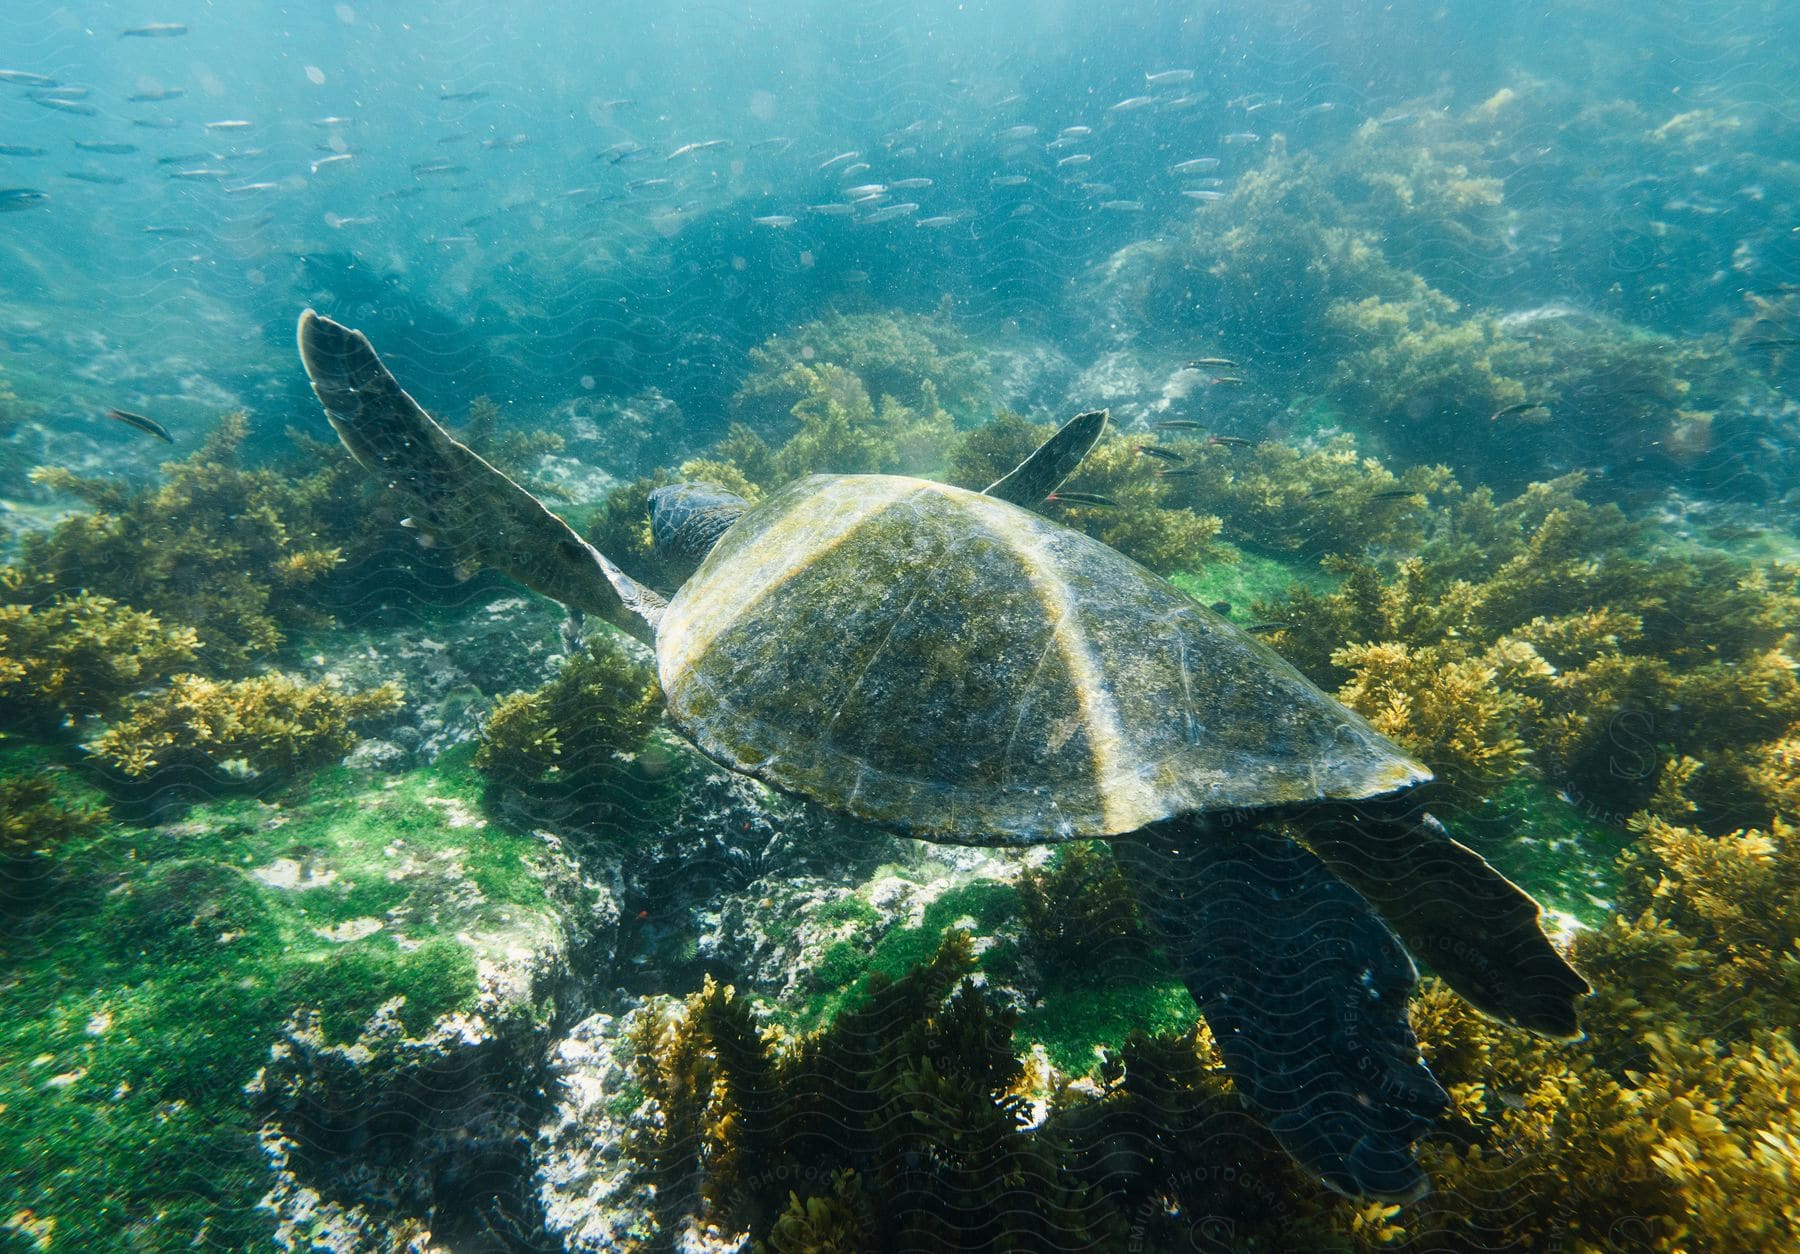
(697, 146)
(155, 30)
(1164, 77)
(775, 220)
(230, 124)
(889, 212)
(1194, 165)
(1130, 103)
(157, 94)
(842, 156)
(114, 150)
(147, 425)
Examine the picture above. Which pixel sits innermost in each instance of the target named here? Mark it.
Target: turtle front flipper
(1475, 927)
(456, 497)
(1054, 461)
(1305, 991)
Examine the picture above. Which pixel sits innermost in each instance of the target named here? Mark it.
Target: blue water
(492, 244)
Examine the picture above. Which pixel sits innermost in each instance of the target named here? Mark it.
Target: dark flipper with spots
(1474, 926)
(1305, 991)
(687, 519)
(1055, 460)
(458, 499)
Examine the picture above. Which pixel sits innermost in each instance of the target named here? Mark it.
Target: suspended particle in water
(315, 76)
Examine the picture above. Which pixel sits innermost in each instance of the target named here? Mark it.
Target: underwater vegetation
(907, 1111)
(1670, 1127)
(1364, 248)
(842, 429)
(270, 724)
(230, 552)
(81, 655)
(151, 968)
(1137, 512)
(1079, 913)
(922, 363)
(1548, 631)
(570, 733)
(38, 815)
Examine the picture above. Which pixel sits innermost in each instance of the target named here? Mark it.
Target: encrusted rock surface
(366, 1137)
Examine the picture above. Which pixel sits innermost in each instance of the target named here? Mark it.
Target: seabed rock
(422, 1141)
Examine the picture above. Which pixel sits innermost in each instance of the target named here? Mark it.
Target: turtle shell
(952, 666)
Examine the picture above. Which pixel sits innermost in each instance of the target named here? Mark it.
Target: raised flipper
(1305, 991)
(1475, 927)
(456, 497)
(1055, 460)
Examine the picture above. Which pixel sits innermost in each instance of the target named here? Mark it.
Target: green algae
(847, 966)
(1252, 579)
(147, 982)
(1075, 1020)
(1548, 841)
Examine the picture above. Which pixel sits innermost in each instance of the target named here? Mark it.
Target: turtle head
(687, 519)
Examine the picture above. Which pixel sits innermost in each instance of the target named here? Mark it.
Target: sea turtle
(954, 666)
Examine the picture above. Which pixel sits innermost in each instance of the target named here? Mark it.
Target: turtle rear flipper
(1475, 927)
(1305, 991)
(1055, 460)
(455, 496)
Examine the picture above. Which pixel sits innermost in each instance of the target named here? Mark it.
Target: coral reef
(269, 725)
(572, 731)
(82, 655)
